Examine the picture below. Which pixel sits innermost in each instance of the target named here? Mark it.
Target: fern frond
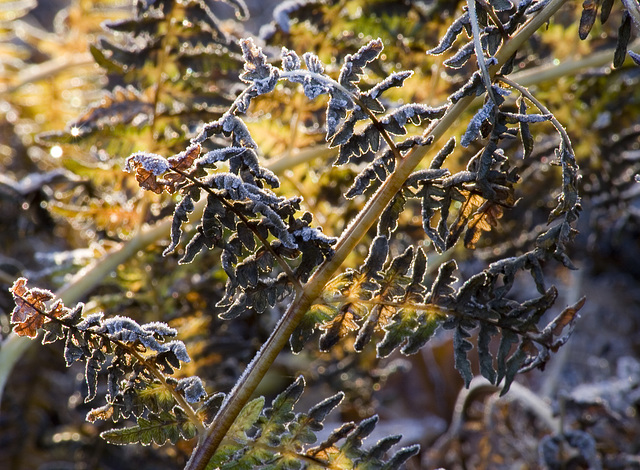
(142, 360)
(238, 202)
(280, 438)
(394, 300)
(156, 429)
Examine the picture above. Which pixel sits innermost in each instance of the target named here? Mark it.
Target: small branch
(303, 156)
(543, 109)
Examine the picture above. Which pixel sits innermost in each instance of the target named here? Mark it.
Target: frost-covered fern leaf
(156, 428)
(348, 105)
(492, 32)
(280, 438)
(138, 360)
(254, 228)
(392, 298)
(470, 203)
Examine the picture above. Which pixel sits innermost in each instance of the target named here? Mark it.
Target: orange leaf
(567, 316)
(26, 315)
(148, 180)
(484, 219)
(184, 160)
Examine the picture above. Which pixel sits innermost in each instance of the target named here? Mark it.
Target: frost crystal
(290, 60)
(91, 320)
(192, 389)
(119, 324)
(179, 349)
(393, 80)
(313, 63)
(219, 155)
(309, 234)
(151, 343)
(473, 130)
(152, 162)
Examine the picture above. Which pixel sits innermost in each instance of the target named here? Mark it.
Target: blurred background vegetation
(75, 101)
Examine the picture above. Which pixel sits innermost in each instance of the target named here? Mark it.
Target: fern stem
(567, 68)
(543, 109)
(482, 64)
(261, 363)
(383, 132)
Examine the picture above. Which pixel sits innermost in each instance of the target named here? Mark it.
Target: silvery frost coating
(269, 247)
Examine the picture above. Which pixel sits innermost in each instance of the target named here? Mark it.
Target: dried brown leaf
(485, 218)
(26, 316)
(566, 317)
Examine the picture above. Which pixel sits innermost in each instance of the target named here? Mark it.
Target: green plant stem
(261, 363)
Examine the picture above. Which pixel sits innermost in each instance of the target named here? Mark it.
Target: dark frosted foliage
(441, 203)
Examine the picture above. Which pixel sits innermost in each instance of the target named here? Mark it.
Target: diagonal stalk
(261, 363)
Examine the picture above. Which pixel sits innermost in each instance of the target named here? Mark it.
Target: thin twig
(35, 73)
(477, 45)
